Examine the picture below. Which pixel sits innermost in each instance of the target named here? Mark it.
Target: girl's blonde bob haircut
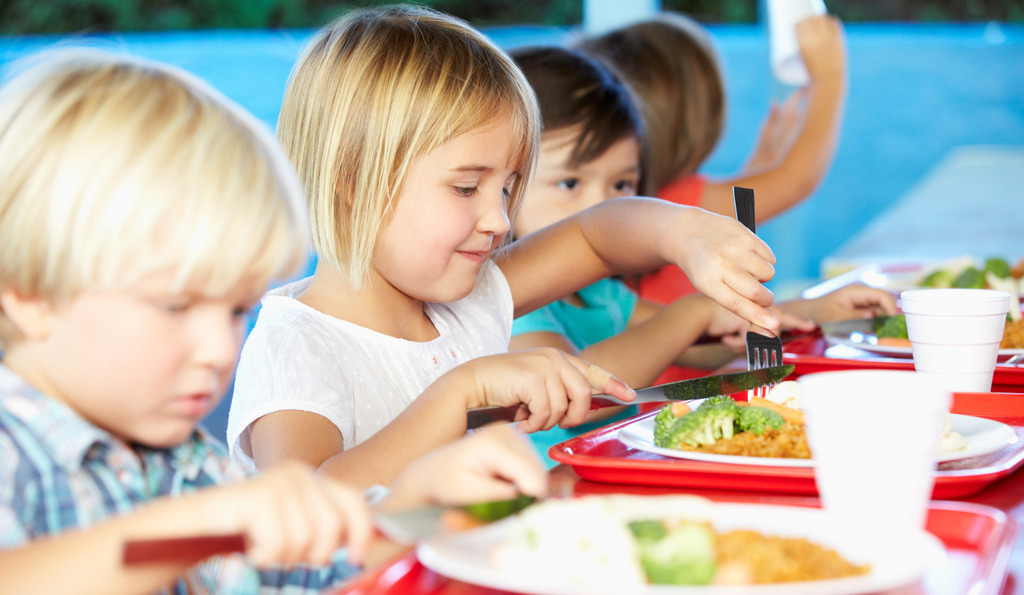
(671, 65)
(374, 91)
(114, 168)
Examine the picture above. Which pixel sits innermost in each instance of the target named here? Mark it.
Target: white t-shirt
(298, 358)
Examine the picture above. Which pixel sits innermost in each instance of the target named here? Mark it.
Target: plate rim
(956, 420)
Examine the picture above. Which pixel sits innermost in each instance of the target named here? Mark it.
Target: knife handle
(482, 416)
(176, 549)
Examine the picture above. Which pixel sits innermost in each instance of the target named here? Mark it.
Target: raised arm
(797, 172)
(655, 338)
(724, 260)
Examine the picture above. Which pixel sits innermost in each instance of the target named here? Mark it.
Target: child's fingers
(355, 528)
(514, 465)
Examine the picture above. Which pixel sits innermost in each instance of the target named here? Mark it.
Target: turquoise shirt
(606, 310)
(58, 473)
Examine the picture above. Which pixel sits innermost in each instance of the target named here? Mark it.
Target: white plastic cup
(783, 15)
(955, 334)
(874, 435)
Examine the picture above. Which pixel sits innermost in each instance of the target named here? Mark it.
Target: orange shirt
(669, 283)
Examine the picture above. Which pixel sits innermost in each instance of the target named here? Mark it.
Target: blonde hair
(114, 168)
(671, 65)
(374, 91)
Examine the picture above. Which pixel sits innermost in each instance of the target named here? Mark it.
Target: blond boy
(141, 216)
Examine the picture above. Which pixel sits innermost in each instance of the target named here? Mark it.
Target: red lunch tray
(813, 354)
(599, 456)
(977, 539)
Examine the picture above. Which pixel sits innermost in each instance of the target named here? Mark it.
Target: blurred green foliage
(83, 16)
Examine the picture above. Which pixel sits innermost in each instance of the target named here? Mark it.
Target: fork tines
(763, 352)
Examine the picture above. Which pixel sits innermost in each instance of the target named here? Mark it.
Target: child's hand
(291, 516)
(725, 262)
(552, 386)
(822, 47)
(778, 131)
(491, 464)
(845, 303)
(789, 322)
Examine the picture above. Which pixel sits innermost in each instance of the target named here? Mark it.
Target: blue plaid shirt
(59, 472)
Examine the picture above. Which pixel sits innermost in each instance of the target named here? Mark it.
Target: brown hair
(576, 90)
(672, 67)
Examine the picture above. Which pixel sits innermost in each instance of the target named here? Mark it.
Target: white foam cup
(874, 436)
(955, 334)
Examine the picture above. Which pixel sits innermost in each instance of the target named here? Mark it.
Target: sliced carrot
(788, 413)
(894, 341)
(680, 408)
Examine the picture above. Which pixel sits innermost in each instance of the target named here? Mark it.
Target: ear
(32, 317)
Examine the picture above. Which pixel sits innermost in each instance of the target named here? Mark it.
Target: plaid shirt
(58, 472)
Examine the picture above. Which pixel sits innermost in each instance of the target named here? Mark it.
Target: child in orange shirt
(671, 65)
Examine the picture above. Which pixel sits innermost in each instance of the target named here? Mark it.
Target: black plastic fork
(762, 350)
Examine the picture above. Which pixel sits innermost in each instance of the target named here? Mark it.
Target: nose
(493, 218)
(217, 339)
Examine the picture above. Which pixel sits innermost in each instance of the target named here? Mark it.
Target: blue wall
(916, 91)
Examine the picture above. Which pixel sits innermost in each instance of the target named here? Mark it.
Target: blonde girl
(415, 137)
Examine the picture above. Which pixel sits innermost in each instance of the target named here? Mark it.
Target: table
(969, 204)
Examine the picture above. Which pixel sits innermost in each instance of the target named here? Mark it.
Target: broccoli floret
(892, 326)
(646, 530)
(714, 419)
(720, 412)
(759, 419)
(970, 278)
(693, 429)
(663, 423)
(495, 511)
(940, 278)
(998, 267)
(683, 556)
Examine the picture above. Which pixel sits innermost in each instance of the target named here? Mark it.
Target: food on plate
(770, 426)
(892, 330)
(968, 274)
(1013, 335)
(785, 393)
(720, 425)
(622, 542)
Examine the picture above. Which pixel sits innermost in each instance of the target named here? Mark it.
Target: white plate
(861, 335)
(981, 435)
(897, 557)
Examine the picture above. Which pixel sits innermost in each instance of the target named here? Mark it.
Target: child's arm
(802, 168)
(553, 387)
(656, 337)
(289, 516)
(721, 257)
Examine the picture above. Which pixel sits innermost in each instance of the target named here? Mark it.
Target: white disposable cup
(874, 435)
(955, 334)
(783, 15)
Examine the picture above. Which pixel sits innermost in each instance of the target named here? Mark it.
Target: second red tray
(599, 456)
